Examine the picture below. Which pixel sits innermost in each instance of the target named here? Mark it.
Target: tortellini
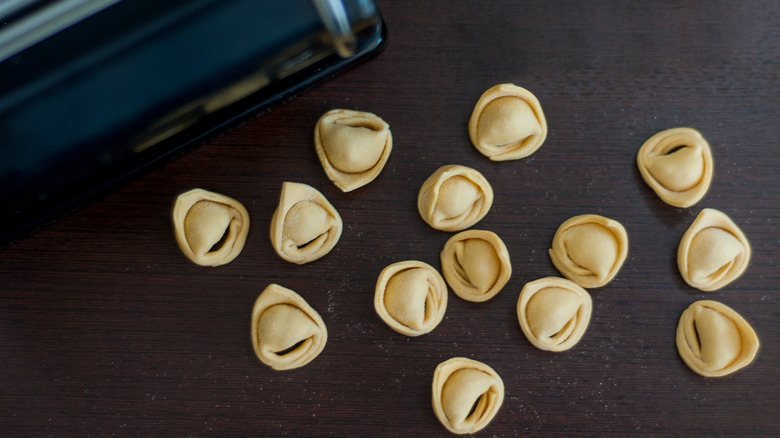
(467, 394)
(589, 249)
(714, 340)
(410, 297)
(454, 198)
(713, 252)
(476, 264)
(305, 226)
(286, 331)
(554, 313)
(210, 228)
(353, 147)
(677, 165)
(507, 123)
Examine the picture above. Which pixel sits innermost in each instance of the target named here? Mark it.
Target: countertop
(106, 328)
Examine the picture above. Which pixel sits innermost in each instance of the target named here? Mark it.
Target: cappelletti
(210, 228)
(286, 331)
(467, 394)
(713, 252)
(677, 164)
(507, 123)
(714, 340)
(305, 226)
(454, 198)
(353, 146)
(410, 297)
(589, 249)
(554, 313)
(476, 264)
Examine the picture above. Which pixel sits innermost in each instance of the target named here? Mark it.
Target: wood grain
(106, 328)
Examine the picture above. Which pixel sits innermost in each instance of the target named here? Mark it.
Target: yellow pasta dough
(589, 249)
(476, 264)
(305, 226)
(353, 147)
(467, 394)
(286, 331)
(554, 313)
(507, 123)
(210, 228)
(713, 252)
(410, 297)
(454, 198)
(677, 164)
(714, 340)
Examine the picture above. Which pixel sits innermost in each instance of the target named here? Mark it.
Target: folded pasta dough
(286, 331)
(454, 198)
(507, 123)
(210, 228)
(305, 226)
(714, 340)
(589, 249)
(410, 297)
(466, 394)
(554, 313)
(353, 147)
(476, 264)
(677, 164)
(713, 252)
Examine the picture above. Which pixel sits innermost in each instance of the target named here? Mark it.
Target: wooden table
(107, 329)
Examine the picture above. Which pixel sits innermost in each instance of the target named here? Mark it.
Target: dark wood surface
(107, 329)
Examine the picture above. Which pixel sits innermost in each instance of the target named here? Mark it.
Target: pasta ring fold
(353, 147)
(714, 340)
(507, 123)
(677, 164)
(589, 249)
(713, 252)
(476, 264)
(454, 198)
(410, 297)
(286, 331)
(305, 226)
(466, 394)
(554, 313)
(210, 228)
